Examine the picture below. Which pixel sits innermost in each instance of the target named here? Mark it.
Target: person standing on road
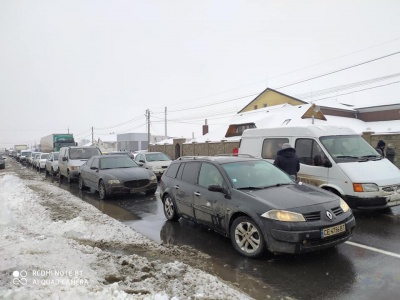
(287, 160)
(390, 153)
(381, 148)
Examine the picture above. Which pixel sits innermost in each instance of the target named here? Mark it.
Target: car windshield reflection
(117, 162)
(255, 175)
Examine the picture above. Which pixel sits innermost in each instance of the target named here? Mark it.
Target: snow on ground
(53, 245)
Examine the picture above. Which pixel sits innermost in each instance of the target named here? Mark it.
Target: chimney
(205, 128)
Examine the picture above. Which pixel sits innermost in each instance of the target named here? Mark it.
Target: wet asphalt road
(349, 271)
(367, 267)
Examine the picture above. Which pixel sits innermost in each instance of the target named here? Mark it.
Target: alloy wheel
(247, 237)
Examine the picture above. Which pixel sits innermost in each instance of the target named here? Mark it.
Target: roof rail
(236, 154)
(193, 157)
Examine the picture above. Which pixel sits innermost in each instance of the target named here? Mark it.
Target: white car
(157, 162)
(51, 165)
(34, 160)
(41, 161)
(30, 157)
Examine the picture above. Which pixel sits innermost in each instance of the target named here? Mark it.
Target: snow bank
(53, 245)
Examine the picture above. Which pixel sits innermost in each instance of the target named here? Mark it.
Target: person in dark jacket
(287, 160)
(390, 153)
(381, 148)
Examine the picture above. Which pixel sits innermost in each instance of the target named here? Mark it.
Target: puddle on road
(105, 206)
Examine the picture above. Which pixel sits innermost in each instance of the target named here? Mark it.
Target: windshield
(256, 174)
(157, 157)
(44, 156)
(120, 161)
(56, 156)
(83, 153)
(349, 148)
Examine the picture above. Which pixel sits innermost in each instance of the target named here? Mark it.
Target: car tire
(102, 190)
(46, 173)
(170, 209)
(60, 177)
(247, 237)
(81, 183)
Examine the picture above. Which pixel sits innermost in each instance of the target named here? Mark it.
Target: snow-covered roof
(288, 115)
(332, 103)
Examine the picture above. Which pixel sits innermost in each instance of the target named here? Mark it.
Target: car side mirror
(216, 188)
(64, 158)
(328, 164)
(94, 168)
(142, 161)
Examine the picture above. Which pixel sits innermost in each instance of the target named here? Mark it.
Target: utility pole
(92, 137)
(166, 136)
(148, 128)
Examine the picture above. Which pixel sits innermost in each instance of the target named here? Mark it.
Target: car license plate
(326, 232)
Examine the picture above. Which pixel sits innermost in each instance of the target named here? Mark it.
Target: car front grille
(316, 215)
(136, 183)
(391, 188)
(337, 211)
(312, 216)
(321, 242)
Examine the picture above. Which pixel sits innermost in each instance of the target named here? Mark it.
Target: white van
(334, 158)
(71, 158)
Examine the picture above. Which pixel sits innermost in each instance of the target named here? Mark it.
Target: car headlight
(365, 187)
(74, 168)
(343, 205)
(284, 216)
(113, 181)
(153, 178)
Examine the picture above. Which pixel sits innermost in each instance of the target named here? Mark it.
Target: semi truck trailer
(54, 142)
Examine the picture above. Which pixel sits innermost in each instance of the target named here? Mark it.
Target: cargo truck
(18, 148)
(53, 142)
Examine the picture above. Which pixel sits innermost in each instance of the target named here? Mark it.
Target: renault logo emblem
(329, 215)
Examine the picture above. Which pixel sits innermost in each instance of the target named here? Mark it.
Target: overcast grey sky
(73, 65)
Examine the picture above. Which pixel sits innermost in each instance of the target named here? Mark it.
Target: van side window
(271, 146)
(309, 152)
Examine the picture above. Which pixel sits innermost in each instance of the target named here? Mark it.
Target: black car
(2, 162)
(256, 204)
(116, 174)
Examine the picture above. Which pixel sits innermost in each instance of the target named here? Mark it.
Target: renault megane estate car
(257, 205)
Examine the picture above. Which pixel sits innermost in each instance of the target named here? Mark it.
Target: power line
(340, 70)
(374, 87)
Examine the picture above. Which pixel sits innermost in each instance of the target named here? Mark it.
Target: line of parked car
(120, 172)
(257, 205)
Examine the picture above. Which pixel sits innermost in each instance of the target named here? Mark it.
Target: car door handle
(197, 193)
(176, 187)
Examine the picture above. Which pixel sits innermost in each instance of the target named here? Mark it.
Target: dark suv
(254, 203)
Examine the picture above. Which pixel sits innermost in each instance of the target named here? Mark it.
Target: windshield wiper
(251, 188)
(370, 157)
(347, 156)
